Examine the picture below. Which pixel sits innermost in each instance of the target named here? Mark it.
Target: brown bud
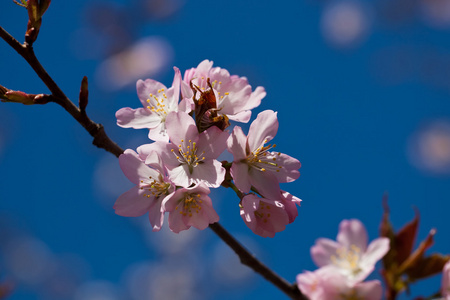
(42, 99)
(84, 93)
(43, 6)
(33, 11)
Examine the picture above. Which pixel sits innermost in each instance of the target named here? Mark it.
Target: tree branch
(97, 131)
(250, 261)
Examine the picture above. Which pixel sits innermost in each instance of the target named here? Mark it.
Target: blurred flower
(160, 9)
(97, 290)
(168, 243)
(429, 147)
(436, 13)
(350, 255)
(146, 58)
(345, 24)
(227, 268)
(29, 260)
(169, 279)
(325, 285)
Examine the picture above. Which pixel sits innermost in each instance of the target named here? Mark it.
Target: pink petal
(264, 127)
(156, 215)
(134, 169)
(278, 217)
(136, 118)
(186, 91)
(133, 203)
(256, 97)
(213, 141)
(265, 183)
(147, 87)
(289, 201)
(178, 175)
(352, 232)
(181, 126)
(375, 251)
(237, 143)
(176, 223)
(176, 84)
(322, 251)
(239, 172)
(210, 172)
(243, 116)
(158, 147)
(187, 105)
(206, 216)
(159, 133)
(289, 171)
(369, 290)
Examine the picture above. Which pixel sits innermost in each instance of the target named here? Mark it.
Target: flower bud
(18, 97)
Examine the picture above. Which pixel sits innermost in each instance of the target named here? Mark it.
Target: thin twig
(96, 130)
(101, 140)
(249, 260)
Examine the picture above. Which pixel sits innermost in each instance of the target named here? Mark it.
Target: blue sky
(363, 98)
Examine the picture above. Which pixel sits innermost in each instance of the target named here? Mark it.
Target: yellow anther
(227, 93)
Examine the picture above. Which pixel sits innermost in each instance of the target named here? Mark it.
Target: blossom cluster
(344, 265)
(188, 126)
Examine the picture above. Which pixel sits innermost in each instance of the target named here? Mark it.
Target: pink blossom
(350, 255)
(311, 284)
(152, 187)
(157, 102)
(234, 95)
(190, 157)
(190, 207)
(264, 217)
(254, 164)
(445, 289)
(290, 203)
(323, 285)
(338, 287)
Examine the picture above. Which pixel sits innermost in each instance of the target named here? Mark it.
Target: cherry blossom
(152, 187)
(311, 284)
(157, 102)
(254, 164)
(324, 285)
(190, 157)
(233, 94)
(190, 207)
(350, 255)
